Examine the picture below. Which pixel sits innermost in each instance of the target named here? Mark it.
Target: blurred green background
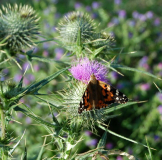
(137, 27)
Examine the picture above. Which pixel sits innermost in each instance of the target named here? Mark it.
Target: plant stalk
(2, 124)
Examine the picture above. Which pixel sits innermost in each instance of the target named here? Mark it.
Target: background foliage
(136, 26)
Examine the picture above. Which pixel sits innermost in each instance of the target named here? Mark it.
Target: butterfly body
(99, 95)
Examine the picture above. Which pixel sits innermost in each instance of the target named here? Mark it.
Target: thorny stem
(2, 124)
(3, 133)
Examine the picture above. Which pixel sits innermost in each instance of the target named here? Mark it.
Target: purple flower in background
(160, 66)
(95, 5)
(114, 75)
(131, 23)
(88, 8)
(94, 15)
(26, 81)
(19, 114)
(28, 120)
(142, 17)
(135, 15)
(119, 158)
(120, 85)
(85, 68)
(6, 71)
(58, 53)
(159, 95)
(92, 143)
(57, 15)
(156, 138)
(117, 2)
(109, 145)
(77, 5)
(46, 45)
(143, 63)
(122, 14)
(35, 50)
(149, 14)
(36, 67)
(145, 86)
(88, 133)
(160, 109)
(157, 22)
(26, 66)
(17, 77)
(130, 34)
(115, 20)
(45, 53)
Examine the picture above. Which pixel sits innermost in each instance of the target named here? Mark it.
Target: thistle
(19, 25)
(103, 39)
(74, 96)
(74, 24)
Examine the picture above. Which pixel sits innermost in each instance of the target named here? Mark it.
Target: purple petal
(85, 68)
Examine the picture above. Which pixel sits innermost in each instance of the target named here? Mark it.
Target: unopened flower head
(19, 25)
(74, 23)
(85, 68)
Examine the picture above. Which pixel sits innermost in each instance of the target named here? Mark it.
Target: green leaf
(35, 87)
(41, 151)
(112, 109)
(102, 141)
(157, 87)
(97, 51)
(115, 134)
(15, 146)
(25, 154)
(37, 119)
(134, 70)
(149, 149)
(52, 99)
(90, 153)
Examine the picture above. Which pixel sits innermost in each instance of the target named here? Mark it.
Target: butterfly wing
(112, 95)
(99, 95)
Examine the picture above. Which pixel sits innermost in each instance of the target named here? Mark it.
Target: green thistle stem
(2, 124)
(3, 129)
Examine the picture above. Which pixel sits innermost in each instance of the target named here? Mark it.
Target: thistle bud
(19, 25)
(74, 23)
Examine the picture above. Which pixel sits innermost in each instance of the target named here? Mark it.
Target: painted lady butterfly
(99, 95)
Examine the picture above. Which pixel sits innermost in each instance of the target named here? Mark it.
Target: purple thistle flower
(85, 68)
(88, 133)
(92, 143)
(117, 2)
(119, 158)
(36, 67)
(58, 53)
(160, 109)
(78, 5)
(159, 95)
(145, 86)
(149, 14)
(17, 77)
(45, 53)
(114, 75)
(122, 14)
(95, 5)
(143, 63)
(160, 66)
(88, 8)
(135, 15)
(26, 65)
(28, 120)
(157, 22)
(109, 145)
(142, 17)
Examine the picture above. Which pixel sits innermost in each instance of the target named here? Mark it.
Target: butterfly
(99, 95)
